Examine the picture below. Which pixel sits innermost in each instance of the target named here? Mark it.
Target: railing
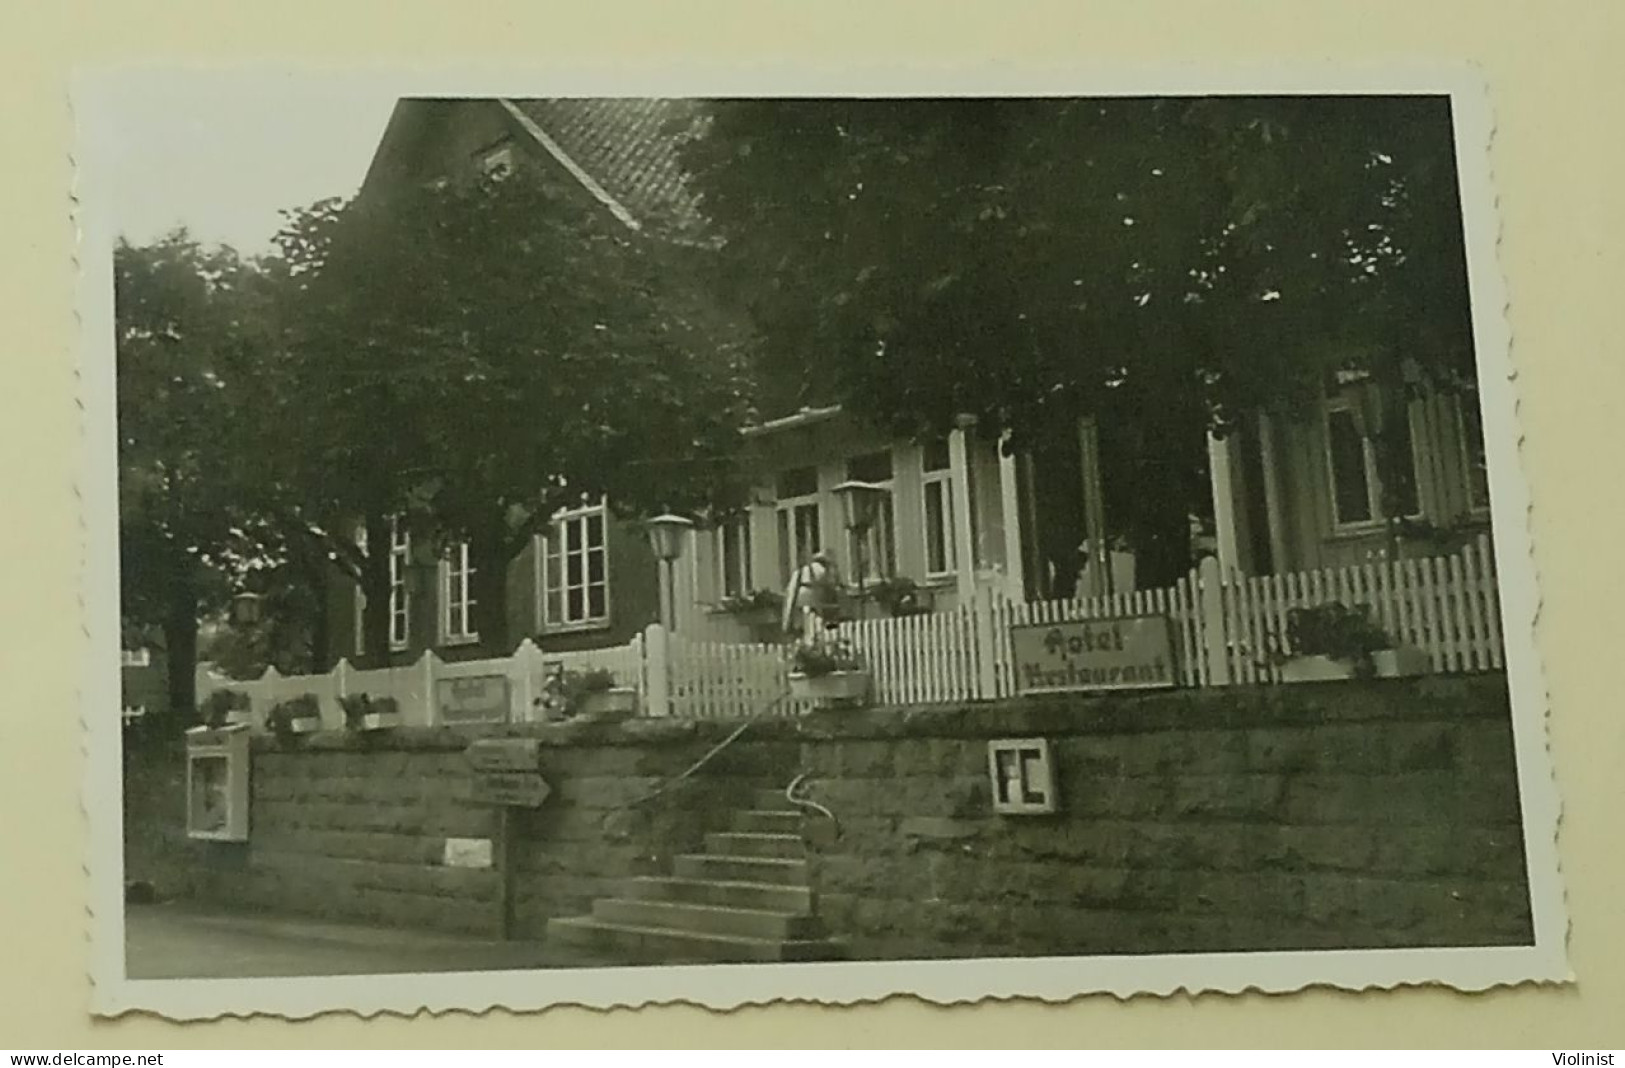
(1226, 630)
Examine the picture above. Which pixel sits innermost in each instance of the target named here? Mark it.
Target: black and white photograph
(656, 543)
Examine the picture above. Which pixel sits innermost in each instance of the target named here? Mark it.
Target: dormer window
(497, 163)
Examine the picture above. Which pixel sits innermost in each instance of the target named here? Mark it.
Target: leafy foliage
(1337, 631)
(824, 655)
(1166, 265)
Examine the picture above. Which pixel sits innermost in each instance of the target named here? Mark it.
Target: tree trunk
(375, 585)
(490, 557)
(180, 650)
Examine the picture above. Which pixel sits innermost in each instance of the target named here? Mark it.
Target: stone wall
(354, 827)
(1295, 817)
(1368, 814)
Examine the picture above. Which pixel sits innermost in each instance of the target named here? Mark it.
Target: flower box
(1316, 669)
(1401, 662)
(378, 721)
(615, 703)
(833, 687)
(304, 724)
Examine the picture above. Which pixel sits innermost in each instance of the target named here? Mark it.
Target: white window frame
(400, 598)
(940, 480)
(786, 531)
(457, 601)
(553, 546)
(1373, 478)
(497, 162)
(733, 539)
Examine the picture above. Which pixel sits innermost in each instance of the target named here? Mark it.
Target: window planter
(305, 724)
(834, 687)
(615, 703)
(1398, 662)
(378, 721)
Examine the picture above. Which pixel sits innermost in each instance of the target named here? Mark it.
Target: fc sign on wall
(1135, 653)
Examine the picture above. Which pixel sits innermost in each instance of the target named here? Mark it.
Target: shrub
(215, 707)
(1337, 631)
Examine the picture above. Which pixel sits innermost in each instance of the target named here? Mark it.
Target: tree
(190, 323)
(1165, 265)
(470, 358)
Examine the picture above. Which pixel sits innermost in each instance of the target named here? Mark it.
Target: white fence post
(986, 665)
(523, 668)
(657, 669)
(431, 706)
(1210, 613)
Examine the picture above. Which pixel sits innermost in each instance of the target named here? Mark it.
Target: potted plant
(1334, 641)
(755, 607)
(224, 707)
(362, 712)
(593, 695)
(900, 596)
(299, 715)
(829, 671)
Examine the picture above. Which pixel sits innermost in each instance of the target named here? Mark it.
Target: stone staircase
(745, 899)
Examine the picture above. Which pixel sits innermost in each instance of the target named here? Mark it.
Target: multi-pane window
(938, 486)
(457, 620)
(575, 578)
(733, 557)
(1357, 483)
(400, 549)
(874, 553)
(797, 519)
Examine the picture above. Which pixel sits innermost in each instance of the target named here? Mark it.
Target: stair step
(774, 897)
(705, 919)
(754, 844)
(768, 821)
(773, 801)
(666, 946)
(779, 870)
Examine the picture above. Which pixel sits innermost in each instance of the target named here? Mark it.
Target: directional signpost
(507, 777)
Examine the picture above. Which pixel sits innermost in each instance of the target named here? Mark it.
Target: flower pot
(619, 702)
(305, 725)
(379, 721)
(834, 687)
(239, 717)
(1401, 662)
(1316, 669)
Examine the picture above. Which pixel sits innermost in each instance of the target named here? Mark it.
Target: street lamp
(860, 506)
(666, 535)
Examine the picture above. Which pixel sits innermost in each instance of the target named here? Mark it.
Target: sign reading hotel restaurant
(1134, 653)
(473, 699)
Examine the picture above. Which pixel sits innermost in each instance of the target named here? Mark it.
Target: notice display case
(217, 764)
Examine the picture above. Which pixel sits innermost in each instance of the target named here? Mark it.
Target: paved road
(172, 942)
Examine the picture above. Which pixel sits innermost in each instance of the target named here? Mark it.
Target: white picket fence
(1226, 630)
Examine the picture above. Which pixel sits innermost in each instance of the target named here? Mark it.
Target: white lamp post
(666, 535)
(860, 505)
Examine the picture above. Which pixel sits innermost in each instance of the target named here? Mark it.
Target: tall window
(1471, 424)
(733, 557)
(575, 578)
(458, 596)
(400, 549)
(797, 515)
(875, 557)
(1357, 485)
(937, 481)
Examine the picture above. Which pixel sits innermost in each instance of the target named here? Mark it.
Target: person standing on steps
(813, 597)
